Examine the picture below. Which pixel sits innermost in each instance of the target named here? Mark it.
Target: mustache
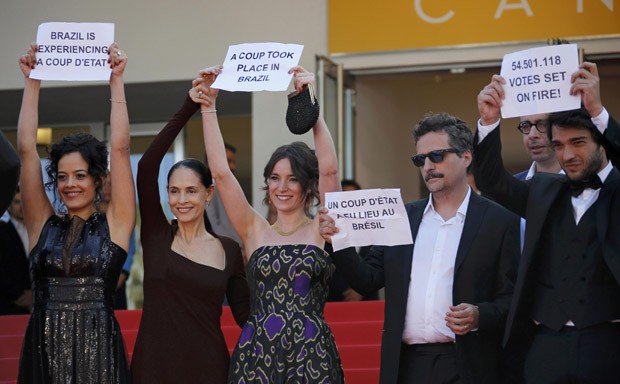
(433, 175)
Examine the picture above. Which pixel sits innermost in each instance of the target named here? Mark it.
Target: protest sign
(73, 51)
(258, 67)
(538, 80)
(368, 217)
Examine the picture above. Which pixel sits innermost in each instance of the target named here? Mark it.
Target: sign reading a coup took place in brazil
(258, 67)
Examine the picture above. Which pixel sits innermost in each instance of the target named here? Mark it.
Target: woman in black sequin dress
(72, 335)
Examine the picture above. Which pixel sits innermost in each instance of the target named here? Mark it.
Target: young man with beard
(568, 287)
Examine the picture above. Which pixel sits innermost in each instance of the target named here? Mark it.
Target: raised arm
(37, 207)
(329, 179)
(121, 212)
(243, 217)
(9, 172)
(151, 211)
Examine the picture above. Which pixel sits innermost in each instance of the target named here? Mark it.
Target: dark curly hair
(305, 167)
(93, 151)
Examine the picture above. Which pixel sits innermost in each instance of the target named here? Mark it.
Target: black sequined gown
(73, 336)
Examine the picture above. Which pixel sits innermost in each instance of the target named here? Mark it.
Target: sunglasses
(434, 156)
(526, 126)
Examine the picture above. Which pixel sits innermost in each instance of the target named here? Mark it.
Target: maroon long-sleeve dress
(180, 339)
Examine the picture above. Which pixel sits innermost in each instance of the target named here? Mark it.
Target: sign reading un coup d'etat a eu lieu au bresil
(258, 67)
(368, 217)
(73, 51)
(538, 80)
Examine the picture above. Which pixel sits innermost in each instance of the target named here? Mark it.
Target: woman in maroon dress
(187, 271)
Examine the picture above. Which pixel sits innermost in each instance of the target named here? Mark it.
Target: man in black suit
(568, 287)
(447, 295)
(339, 289)
(9, 172)
(15, 290)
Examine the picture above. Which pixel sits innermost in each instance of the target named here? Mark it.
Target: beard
(592, 166)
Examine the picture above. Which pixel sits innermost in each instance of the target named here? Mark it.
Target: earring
(208, 203)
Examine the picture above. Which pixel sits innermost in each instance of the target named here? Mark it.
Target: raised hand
(28, 61)
(490, 100)
(586, 83)
(117, 60)
(201, 91)
(301, 77)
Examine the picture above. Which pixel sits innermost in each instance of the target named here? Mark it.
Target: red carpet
(356, 326)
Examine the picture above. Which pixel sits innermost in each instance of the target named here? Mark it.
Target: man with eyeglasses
(446, 295)
(566, 306)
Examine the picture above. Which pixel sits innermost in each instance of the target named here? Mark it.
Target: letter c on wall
(417, 4)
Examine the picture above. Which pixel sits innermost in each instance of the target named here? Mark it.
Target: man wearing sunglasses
(567, 294)
(446, 295)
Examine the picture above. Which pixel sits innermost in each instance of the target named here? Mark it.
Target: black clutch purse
(303, 110)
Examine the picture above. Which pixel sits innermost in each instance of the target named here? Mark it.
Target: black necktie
(577, 186)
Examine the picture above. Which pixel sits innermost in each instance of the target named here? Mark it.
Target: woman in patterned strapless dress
(72, 335)
(286, 338)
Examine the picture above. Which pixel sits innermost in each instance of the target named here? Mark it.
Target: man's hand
(462, 318)
(490, 100)
(586, 83)
(25, 300)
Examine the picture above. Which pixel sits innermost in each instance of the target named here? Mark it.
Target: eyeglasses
(526, 126)
(434, 156)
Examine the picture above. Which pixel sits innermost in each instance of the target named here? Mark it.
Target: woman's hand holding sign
(117, 60)
(28, 61)
(327, 225)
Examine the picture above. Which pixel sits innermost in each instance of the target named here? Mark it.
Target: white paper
(258, 67)
(368, 217)
(538, 80)
(73, 51)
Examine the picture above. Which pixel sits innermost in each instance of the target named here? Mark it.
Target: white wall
(172, 40)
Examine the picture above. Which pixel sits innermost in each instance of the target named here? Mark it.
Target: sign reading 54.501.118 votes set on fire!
(538, 80)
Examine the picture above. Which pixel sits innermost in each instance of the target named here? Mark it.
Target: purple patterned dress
(286, 338)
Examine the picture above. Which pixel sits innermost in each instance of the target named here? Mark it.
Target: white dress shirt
(432, 276)
(588, 197)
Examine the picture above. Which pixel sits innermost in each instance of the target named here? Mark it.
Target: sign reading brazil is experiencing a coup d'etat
(73, 51)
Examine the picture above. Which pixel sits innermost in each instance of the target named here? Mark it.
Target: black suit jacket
(484, 274)
(9, 172)
(14, 272)
(533, 199)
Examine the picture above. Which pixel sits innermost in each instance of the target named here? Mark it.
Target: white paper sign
(538, 80)
(73, 51)
(368, 217)
(258, 67)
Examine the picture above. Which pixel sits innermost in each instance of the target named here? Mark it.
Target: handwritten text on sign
(73, 51)
(368, 217)
(258, 67)
(538, 80)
